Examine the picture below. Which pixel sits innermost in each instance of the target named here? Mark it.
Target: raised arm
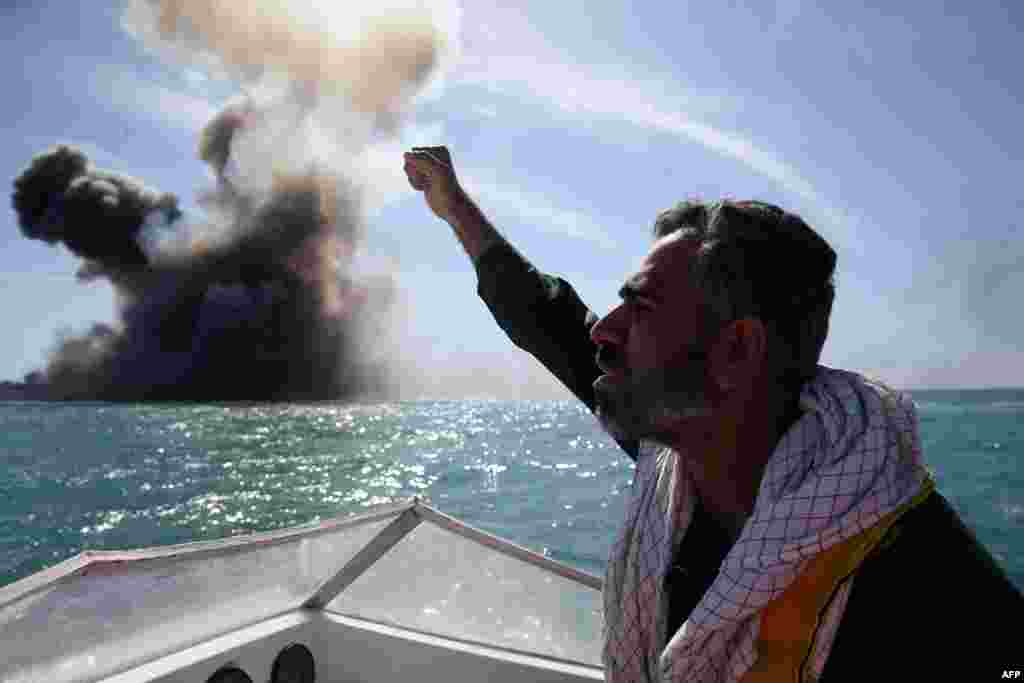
(540, 313)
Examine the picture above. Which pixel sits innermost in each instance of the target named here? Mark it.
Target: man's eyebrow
(637, 287)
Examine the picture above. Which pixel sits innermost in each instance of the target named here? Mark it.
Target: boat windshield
(409, 566)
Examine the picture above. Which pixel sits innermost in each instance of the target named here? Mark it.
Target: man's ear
(739, 354)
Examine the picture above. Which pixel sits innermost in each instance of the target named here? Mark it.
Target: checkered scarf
(851, 458)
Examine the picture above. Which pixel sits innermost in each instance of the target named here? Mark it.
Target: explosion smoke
(264, 315)
(98, 215)
(255, 300)
(372, 54)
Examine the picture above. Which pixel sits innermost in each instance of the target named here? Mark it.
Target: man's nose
(609, 330)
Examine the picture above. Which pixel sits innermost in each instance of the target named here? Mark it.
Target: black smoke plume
(98, 215)
(257, 299)
(256, 309)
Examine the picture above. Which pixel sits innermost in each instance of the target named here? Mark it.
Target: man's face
(652, 348)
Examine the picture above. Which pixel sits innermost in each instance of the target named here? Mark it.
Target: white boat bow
(403, 593)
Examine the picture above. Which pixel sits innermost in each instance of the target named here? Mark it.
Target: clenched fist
(430, 170)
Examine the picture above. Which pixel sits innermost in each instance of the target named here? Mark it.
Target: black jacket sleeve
(544, 316)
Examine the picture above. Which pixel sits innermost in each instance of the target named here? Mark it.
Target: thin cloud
(536, 209)
(576, 92)
(485, 112)
(162, 102)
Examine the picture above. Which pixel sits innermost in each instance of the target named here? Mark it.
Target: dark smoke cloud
(60, 197)
(259, 311)
(257, 299)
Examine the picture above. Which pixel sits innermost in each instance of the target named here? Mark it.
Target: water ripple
(541, 473)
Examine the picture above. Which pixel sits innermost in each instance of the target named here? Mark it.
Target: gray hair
(755, 260)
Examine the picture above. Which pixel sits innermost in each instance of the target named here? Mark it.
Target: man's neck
(728, 457)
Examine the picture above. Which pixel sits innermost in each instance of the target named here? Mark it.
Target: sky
(892, 129)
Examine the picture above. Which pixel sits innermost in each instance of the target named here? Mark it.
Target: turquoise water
(78, 476)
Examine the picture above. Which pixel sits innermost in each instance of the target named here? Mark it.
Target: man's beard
(649, 404)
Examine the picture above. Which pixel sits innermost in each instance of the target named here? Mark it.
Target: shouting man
(782, 525)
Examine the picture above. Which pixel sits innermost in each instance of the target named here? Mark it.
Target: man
(782, 525)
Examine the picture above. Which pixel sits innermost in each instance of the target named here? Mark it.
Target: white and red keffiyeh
(852, 457)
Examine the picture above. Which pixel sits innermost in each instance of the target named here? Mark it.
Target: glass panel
(119, 616)
(437, 581)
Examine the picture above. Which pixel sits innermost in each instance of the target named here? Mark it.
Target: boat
(400, 593)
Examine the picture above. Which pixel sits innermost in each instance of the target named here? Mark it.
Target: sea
(101, 476)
